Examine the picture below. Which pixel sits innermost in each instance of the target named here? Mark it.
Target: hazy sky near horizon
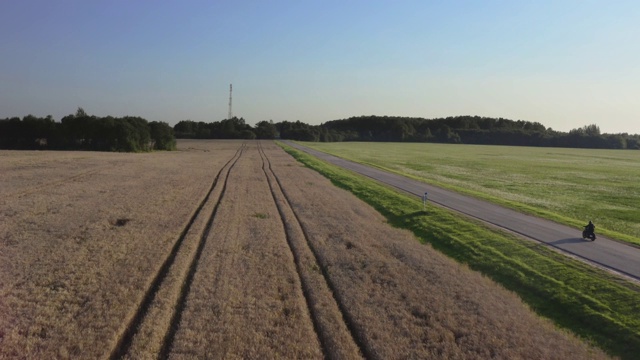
(564, 64)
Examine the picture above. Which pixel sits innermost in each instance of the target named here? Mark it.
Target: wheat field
(231, 249)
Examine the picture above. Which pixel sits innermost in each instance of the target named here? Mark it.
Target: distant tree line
(458, 130)
(234, 128)
(80, 131)
(473, 130)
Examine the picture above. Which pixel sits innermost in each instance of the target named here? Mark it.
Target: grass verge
(592, 303)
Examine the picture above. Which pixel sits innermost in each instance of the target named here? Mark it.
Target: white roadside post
(424, 201)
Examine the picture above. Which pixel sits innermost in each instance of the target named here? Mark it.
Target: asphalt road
(603, 252)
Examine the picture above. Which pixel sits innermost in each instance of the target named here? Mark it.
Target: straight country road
(613, 255)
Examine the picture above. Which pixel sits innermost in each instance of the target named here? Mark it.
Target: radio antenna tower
(230, 111)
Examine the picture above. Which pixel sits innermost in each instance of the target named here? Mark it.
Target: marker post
(424, 201)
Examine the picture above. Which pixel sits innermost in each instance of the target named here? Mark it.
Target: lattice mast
(230, 110)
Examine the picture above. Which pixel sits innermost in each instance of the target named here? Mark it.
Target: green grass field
(570, 186)
(590, 302)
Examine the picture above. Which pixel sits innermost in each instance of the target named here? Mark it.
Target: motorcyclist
(591, 229)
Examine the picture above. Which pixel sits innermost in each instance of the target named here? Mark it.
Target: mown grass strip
(592, 303)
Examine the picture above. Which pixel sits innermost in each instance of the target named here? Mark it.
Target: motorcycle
(586, 234)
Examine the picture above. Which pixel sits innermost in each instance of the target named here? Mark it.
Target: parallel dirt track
(271, 261)
(336, 333)
(172, 309)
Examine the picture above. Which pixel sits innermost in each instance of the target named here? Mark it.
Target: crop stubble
(70, 277)
(246, 298)
(150, 331)
(336, 337)
(275, 263)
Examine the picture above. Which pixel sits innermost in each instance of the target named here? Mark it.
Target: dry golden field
(231, 249)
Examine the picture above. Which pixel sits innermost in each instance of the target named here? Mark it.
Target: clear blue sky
(564, 64)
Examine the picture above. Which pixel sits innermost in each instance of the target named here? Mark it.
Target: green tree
(185, 129)
(162, 136)
(592, 130)
(266, 130)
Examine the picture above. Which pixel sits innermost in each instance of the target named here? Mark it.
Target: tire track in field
(186, 285)
(172, 277)
(333, 325)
